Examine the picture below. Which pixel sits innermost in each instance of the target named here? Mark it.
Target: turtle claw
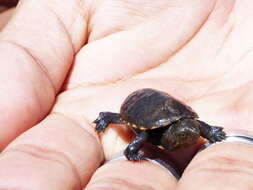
(101, 122)
(100, 127)
(133, 156)
(217, 134)
(132, 151)
(104, 119)
(211, 133)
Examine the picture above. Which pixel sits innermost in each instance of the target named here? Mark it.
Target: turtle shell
(149, 109)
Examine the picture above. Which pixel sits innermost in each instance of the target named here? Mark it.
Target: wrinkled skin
(198, 51)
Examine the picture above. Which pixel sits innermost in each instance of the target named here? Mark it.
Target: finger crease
(35, 60)
(227, 165)
(64, 28)
(46, 154)
(118, 184)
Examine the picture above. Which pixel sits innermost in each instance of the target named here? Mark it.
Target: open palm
(199, 52)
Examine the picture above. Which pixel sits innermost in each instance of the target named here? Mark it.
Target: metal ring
(233, 137)
(172, 171)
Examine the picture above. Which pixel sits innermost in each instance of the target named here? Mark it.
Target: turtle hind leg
(211, 133)
(105, 118)
(132, 150)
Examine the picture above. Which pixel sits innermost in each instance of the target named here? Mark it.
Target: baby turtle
(160, 119)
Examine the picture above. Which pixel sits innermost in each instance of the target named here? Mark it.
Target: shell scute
(150, 109)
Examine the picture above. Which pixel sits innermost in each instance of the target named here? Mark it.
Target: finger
(144, 46)
(131, 176)
(36, 50)
(220, 167)
(56, 154)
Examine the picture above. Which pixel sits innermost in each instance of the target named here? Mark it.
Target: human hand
(63, 152)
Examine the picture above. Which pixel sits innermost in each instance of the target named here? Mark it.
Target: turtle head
(182, 133)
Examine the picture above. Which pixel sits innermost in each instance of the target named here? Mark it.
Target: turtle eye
(182, 136)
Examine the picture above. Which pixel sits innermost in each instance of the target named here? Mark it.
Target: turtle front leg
(211, 133)
(132, 150)
(105, 118)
